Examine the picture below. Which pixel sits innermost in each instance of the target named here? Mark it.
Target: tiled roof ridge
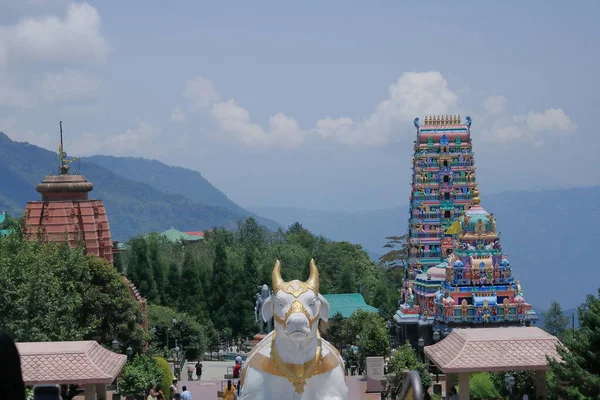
(94, 349)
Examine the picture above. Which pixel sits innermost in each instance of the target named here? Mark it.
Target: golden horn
(276, 277)
(313, 279)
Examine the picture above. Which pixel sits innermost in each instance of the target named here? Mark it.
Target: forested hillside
(547, 235)
(176, 180)
(134, 208)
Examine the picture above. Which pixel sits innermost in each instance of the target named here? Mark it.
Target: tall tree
(397, 255)
(580, 370)
(347, 281)
(173, 285)
(191, 296)
(159, 268)
(139, 270)
(221, 287)
(555, 321)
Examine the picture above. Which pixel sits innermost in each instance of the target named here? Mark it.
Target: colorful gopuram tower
(456, 275)
(479, 288)
(66, 214)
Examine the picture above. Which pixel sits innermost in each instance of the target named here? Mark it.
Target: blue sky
(308, 104)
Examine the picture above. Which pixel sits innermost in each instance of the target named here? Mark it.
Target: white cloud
(235, 120)
(49, 38)
(140, 136)
(500, 126)
(201, 92)
(69, 85)
(177, 115)
(11, 94)
(494, 105)
(413, 94)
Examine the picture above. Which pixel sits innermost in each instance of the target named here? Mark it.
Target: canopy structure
(84, 362)
(494, 349)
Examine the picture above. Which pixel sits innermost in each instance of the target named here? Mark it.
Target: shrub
(166, 375)
(482, 387)
(138, 375)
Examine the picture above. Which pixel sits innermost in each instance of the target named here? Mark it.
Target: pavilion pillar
(101, 391)
(463, 386)
(450, 382)
(90, 392)
(540, 384)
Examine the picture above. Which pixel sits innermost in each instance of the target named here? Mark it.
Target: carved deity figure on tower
(293, 361)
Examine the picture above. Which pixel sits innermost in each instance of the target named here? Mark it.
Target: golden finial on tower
(458, 119)
(453, 119)
(475, 200)
(426, 121)
(437, 120)
(447, 119)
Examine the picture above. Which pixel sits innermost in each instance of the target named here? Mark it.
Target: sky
(308, 104)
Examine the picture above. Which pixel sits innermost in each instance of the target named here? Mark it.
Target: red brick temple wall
(71, 221)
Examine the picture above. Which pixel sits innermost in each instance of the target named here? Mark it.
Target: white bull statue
(293, 362)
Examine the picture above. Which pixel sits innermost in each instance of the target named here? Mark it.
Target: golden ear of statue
(277, 281)
(313, 279)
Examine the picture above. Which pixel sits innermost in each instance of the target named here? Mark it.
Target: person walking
(198, 369)
(236, 370)
(173, 389)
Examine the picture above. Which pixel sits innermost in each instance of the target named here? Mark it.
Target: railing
(410, 388)
(425, 235)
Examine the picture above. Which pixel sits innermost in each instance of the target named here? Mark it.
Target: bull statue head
(296, 306)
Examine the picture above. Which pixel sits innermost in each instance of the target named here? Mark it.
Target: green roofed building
(347, 303)
(3, 230)
(173, 235)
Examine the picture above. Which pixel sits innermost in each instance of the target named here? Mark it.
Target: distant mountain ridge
(549, 237)
(134, 207)
(175, 180)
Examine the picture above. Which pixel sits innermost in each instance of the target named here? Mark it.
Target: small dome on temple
(505, 262)
(458, 264)
(476, 219)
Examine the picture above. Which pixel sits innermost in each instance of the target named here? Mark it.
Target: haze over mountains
(134, 207)
(548, 235)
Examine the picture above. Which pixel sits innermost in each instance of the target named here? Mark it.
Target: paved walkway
(206, 389)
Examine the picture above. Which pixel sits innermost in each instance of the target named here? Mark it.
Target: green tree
(193, 336)
(221, 286)
(346, 283)
(333, 330)
(139, 270)
(55, 293)
(374, 338)
(159, 269)
(173, 285)
(555, 321)
(137, 376)
(405, 359)
(397, 256)
(191, 296)
(580, 370)
(482, 387)
(524, 383)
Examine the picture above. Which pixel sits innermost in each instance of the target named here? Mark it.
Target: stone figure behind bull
(264, 324)
(293, 362)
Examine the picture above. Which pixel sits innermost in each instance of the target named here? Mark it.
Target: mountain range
(136, 192)
(548, 236)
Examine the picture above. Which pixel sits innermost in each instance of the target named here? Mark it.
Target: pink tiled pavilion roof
(82, 362)
(494, 349)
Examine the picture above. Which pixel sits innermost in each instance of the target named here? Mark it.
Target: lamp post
(421, 343)
(436, 338)
(129, 352)
(115, 345)
(509, 381)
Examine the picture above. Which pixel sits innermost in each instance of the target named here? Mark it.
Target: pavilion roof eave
(494, 350)
(80, 362)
